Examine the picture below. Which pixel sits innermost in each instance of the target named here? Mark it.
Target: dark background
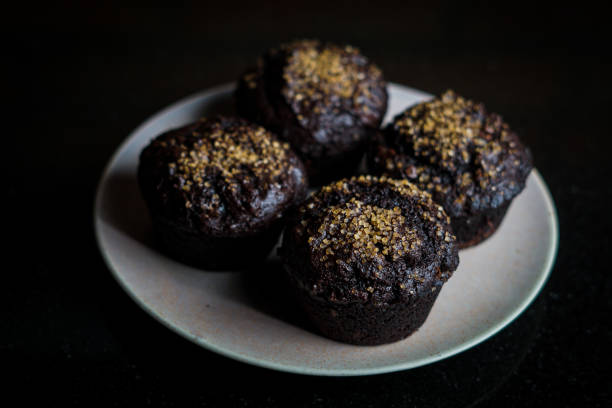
(79, 78)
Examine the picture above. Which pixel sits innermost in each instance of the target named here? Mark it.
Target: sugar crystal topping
(319, 75)
(462, 139)
(367, 231)
(443, 129)
(404, 187)
(236, 154)
(372, 233)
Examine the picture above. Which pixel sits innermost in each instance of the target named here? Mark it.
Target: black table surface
(81, 78)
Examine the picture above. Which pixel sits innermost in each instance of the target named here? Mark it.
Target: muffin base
(367, 324)
(210, 252)
(472, 230)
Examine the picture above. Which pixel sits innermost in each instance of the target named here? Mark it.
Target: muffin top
(327, 92)
(323, 80)
(467, 158)
(369, 239)
(222, 176)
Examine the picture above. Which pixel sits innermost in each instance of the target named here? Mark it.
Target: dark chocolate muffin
(326, 100)
(217, 190)
(368, 257)
(470, 160)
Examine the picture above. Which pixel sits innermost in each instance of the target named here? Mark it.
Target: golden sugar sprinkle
(236, 153)
(369, 232)
(403, 187)
(452, 132)
(315, 73)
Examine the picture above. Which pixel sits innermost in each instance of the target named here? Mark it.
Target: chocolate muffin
(217, 190)
(367, 257)
(470, 160)
(324, 99)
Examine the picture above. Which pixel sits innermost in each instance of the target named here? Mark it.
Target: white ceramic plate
(224, 311)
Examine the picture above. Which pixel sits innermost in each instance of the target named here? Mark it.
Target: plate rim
(340, 372)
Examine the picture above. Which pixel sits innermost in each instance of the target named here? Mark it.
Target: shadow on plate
(262, 287)
(266, 289)
(123, 208)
